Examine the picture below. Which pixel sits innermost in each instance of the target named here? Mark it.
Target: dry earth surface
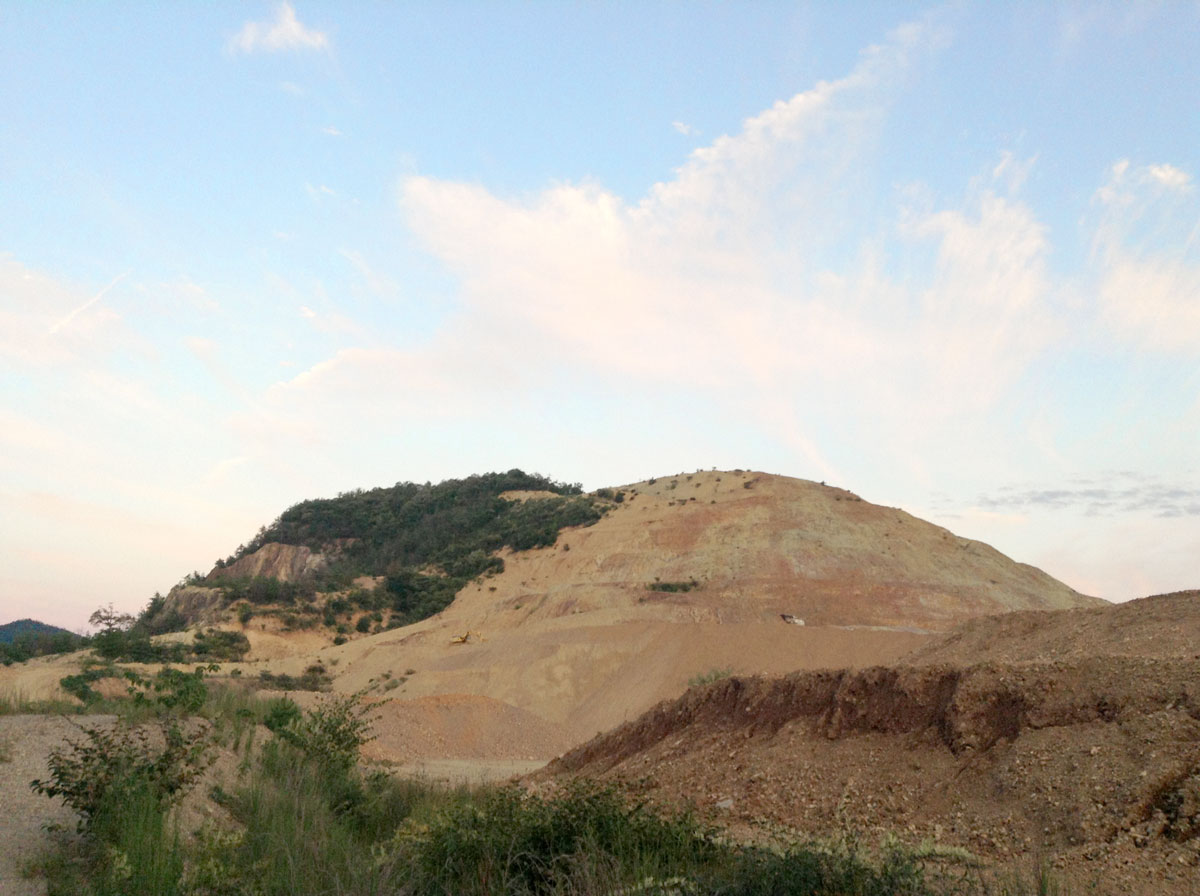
(26, 741)
(572, 640)
(1069, 737)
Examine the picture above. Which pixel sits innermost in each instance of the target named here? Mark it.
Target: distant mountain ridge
(11, 631)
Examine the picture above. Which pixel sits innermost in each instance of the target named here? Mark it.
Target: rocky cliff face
(285, 562)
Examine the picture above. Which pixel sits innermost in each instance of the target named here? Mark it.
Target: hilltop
(11, 631)
(575, 611)
(585, 610)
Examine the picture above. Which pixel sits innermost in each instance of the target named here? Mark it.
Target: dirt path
(26, 741)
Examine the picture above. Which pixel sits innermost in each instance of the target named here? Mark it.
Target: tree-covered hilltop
(427, 540)
(12, 631)
(28, 638)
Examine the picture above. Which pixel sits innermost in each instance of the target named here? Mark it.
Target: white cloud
(285, 33)
(332, 131)
(45, 321)
(1170, 177)
(721, 278)
(1148, 256)
(685, 129)
(722, 283)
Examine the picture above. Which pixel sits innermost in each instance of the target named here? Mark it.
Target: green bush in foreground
(306, 820)
(112, 767)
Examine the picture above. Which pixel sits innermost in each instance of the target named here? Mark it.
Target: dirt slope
(577, 635)
(1091, 758)
(1164, 626)
(574, 634)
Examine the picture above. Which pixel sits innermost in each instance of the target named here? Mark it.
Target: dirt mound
(739, 547)
(1092, 761)
(685, 576)
(1164, 626)
(460, 726)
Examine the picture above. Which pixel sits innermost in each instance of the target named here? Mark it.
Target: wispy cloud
(1116, 493)
(749, 272)
(1147, 248)
(286, 32)
(46, 321)
(685, 129)
(75, 312)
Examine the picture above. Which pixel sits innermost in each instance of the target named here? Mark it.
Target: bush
(709, 677)
(116, 766)
(314, 678)
(214, 644)
(507, 841)
(171, 689)
(281, 713)
(674, 587)
(333, 732)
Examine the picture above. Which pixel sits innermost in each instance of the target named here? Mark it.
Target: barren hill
(684, 575)
(680, 577)
(1072, 735)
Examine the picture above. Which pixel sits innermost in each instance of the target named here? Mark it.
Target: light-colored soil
(461, 727)
(468, 772)
(28, 741)
(1089, 759)
(574, 635)
(573, 639)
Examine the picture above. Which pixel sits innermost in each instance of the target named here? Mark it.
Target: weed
(709, 677)
(673, 587)
(19, 704)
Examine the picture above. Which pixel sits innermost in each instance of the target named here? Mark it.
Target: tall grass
(16, 704)
(307, 821)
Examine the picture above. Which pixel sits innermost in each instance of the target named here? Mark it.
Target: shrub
(709, 677)
(221, 645)
(673, 587)
(507, 841)
(332, 732)
(281, 713)
(314, 678)
(171, 689)
(109, 767)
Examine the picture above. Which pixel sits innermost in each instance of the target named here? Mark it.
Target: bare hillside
(682, 576)
(1090, 757)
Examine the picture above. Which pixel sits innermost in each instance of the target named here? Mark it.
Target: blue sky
(947, 257)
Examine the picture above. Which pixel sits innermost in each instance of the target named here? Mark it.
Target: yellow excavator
(467, 637)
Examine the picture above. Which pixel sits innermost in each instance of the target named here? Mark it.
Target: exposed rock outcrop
(285, 562)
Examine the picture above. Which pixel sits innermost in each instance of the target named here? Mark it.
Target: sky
(947, 257)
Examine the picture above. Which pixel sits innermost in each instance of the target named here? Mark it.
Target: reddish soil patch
(1090, 760)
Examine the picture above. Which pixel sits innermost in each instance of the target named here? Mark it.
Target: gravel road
(25, 743)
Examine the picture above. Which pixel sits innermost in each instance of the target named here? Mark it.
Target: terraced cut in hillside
(1088, 756)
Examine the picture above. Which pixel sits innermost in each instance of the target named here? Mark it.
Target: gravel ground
(25, 744)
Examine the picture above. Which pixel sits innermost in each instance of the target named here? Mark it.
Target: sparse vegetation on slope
(427, 540)
(304, 818)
